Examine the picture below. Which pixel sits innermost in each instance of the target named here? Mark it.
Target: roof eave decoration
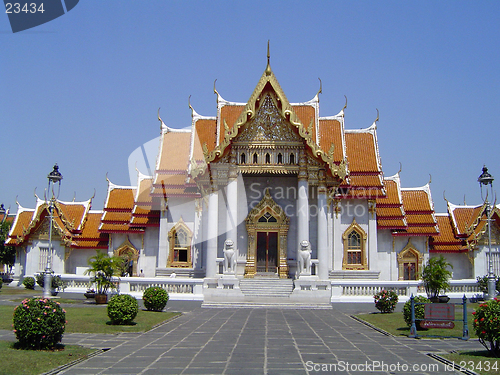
(287, 112)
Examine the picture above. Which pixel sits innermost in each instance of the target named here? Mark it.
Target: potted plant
(436, 277)
(102, 267)
(90, 293)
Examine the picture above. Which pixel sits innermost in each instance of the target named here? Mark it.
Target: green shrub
(1, 283)
(487, 325)
(122, 309)
(482, 282)
(39, 323)
(419, 310)
(56, 280)
(29, 282)
(155, 298)
(386, 300)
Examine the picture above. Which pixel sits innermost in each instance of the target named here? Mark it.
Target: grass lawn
(394, 324)
(94, 319)
(82, 318)
(24, 362)
(478, 361)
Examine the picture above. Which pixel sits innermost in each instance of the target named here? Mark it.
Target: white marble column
(322, 229)
(212, 230)
(338, 246)
(302, 202)
(372, 236)
(232, 202)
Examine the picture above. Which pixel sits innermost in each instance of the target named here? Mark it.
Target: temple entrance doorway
(267, 252)
(267, 228)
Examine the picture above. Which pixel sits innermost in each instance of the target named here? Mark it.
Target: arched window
(243, 159)
(268, 158)
(255, 158)
(409, 262)
(280, 158)
(354, 248)
(179, 239)
(292, 158)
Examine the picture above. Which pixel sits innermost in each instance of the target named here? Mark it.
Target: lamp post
(487, 179)
(54, 177)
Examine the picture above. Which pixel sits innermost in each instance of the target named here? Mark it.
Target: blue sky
(83, 90)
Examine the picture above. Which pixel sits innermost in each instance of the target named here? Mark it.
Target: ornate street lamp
(487, 179)
(54, 177)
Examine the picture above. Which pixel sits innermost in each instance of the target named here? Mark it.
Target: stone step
(267, 305)
(266, 287)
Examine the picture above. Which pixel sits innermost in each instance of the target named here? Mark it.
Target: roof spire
(268, 68)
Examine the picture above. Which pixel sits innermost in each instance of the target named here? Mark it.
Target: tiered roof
(419, 211)
(118, 210)
(462, 228)
(390, 210)
(73, 221)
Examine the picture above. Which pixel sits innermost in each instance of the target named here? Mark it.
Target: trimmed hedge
(29, 282)
(155, 298)
(122, 309)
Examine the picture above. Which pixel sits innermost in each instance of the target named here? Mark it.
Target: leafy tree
(7, 253)
(103, 267)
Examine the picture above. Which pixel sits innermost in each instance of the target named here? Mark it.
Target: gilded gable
(268, 126)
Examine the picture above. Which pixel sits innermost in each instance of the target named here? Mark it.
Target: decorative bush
(155, 298)
(29, 282)
(39, 323)
(122, 309)
(419, 310)
(56, 280)
(1, 283)
(482, 282)
(386, 300)
(487, 325)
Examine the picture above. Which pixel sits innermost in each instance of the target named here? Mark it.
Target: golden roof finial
(376, 120)
(345, 105)
(320, 91)
(400, 168)
(268, 68)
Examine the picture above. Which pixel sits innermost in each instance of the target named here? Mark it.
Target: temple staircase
(265, 292)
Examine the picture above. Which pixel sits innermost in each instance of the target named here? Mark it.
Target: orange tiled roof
(416, 200)
(419, 213)
(91, 238)
(206, 130)
(117, 217)
(361, 152)
(330, 132)
(229, 113)
(120, 198)
(446, 240)
(174, 154)
(306, 114)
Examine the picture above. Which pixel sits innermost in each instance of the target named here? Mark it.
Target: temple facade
(265, 189)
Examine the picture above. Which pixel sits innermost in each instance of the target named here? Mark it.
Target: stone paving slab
(259, 341)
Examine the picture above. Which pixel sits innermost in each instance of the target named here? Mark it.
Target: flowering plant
(386, 300)
(487, 325)
(39, 323)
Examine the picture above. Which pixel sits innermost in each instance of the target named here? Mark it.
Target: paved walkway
(261, 341)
